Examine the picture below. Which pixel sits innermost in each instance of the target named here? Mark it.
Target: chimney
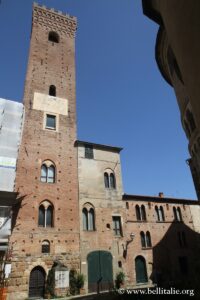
(161, 194)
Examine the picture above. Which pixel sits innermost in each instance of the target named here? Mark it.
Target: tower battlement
(54, 19)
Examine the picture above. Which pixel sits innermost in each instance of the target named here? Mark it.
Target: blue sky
(122, 99)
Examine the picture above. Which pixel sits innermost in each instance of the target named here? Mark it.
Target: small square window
(51, 122)
(89, 152)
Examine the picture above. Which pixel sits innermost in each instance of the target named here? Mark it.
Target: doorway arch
(100, 271)
(141, 269)
(37, 282)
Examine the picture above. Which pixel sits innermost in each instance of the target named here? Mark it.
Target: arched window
(112, 181)
(47, 172)
(45, 216)
(141, 270)
(142, 237)
(157, 213)
(106, 180)
(162, 213)
(53, 37)
(148, 239)
(179, 215)
(52, 90)
(41, 217)
(137, 211)
(91, 219)
(85, 219)
(88, 216)
(143, 213)
(175, 214)
(49, 216)
(45, 246)
(51, 174)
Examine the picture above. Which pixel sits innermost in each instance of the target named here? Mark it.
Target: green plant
(72, 282)
(120, 278)
(76, 281)
(50, 286)
(80, 279)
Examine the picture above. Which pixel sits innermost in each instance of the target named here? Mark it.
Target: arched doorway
(37, 282)
(141, 270)
(100, 271)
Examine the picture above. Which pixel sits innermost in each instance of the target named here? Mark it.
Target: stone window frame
(44, 207)
(108, 182)
(88, 217)
(48, 164)
(56, 129)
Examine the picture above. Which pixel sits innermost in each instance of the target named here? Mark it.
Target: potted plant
(80, 279)
(120, 278)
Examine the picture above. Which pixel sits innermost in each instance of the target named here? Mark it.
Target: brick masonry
(49, 64)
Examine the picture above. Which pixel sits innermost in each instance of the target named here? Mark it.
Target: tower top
(54, 20)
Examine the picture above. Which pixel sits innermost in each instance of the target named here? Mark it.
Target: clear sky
(122, 99)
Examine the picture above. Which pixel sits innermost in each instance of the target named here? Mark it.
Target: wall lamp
(125, 248)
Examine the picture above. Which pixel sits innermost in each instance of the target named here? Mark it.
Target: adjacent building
(11, 123)
(72, 210)
(177, 55)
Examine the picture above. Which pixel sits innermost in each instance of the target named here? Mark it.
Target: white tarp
(11, 123)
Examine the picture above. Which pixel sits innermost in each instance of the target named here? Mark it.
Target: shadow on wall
(176, 259)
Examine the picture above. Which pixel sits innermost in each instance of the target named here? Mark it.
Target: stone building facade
(177, 55)
(159, 233)
(73, 209)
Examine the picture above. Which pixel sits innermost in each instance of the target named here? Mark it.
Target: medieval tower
(47, 221)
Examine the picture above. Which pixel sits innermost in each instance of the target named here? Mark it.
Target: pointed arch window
(145, 239)
(53, 37)
(45, 216)
(140, 213)
(137, 211)
(148, 239)
(142, 237)
(112, 181)
(47, 172)
(160, 217)
(106, 180)
(109, 180)
(88, 218)
(177, 214)
(143, 213)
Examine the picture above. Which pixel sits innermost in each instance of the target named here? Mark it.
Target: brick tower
(46, 225)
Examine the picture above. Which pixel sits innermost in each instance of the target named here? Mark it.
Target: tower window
(53, 37)
(88, 215)
(47, 172)
(89, 152)
(52, 90)
(51, 122)
(109, 180)
(45, 217)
